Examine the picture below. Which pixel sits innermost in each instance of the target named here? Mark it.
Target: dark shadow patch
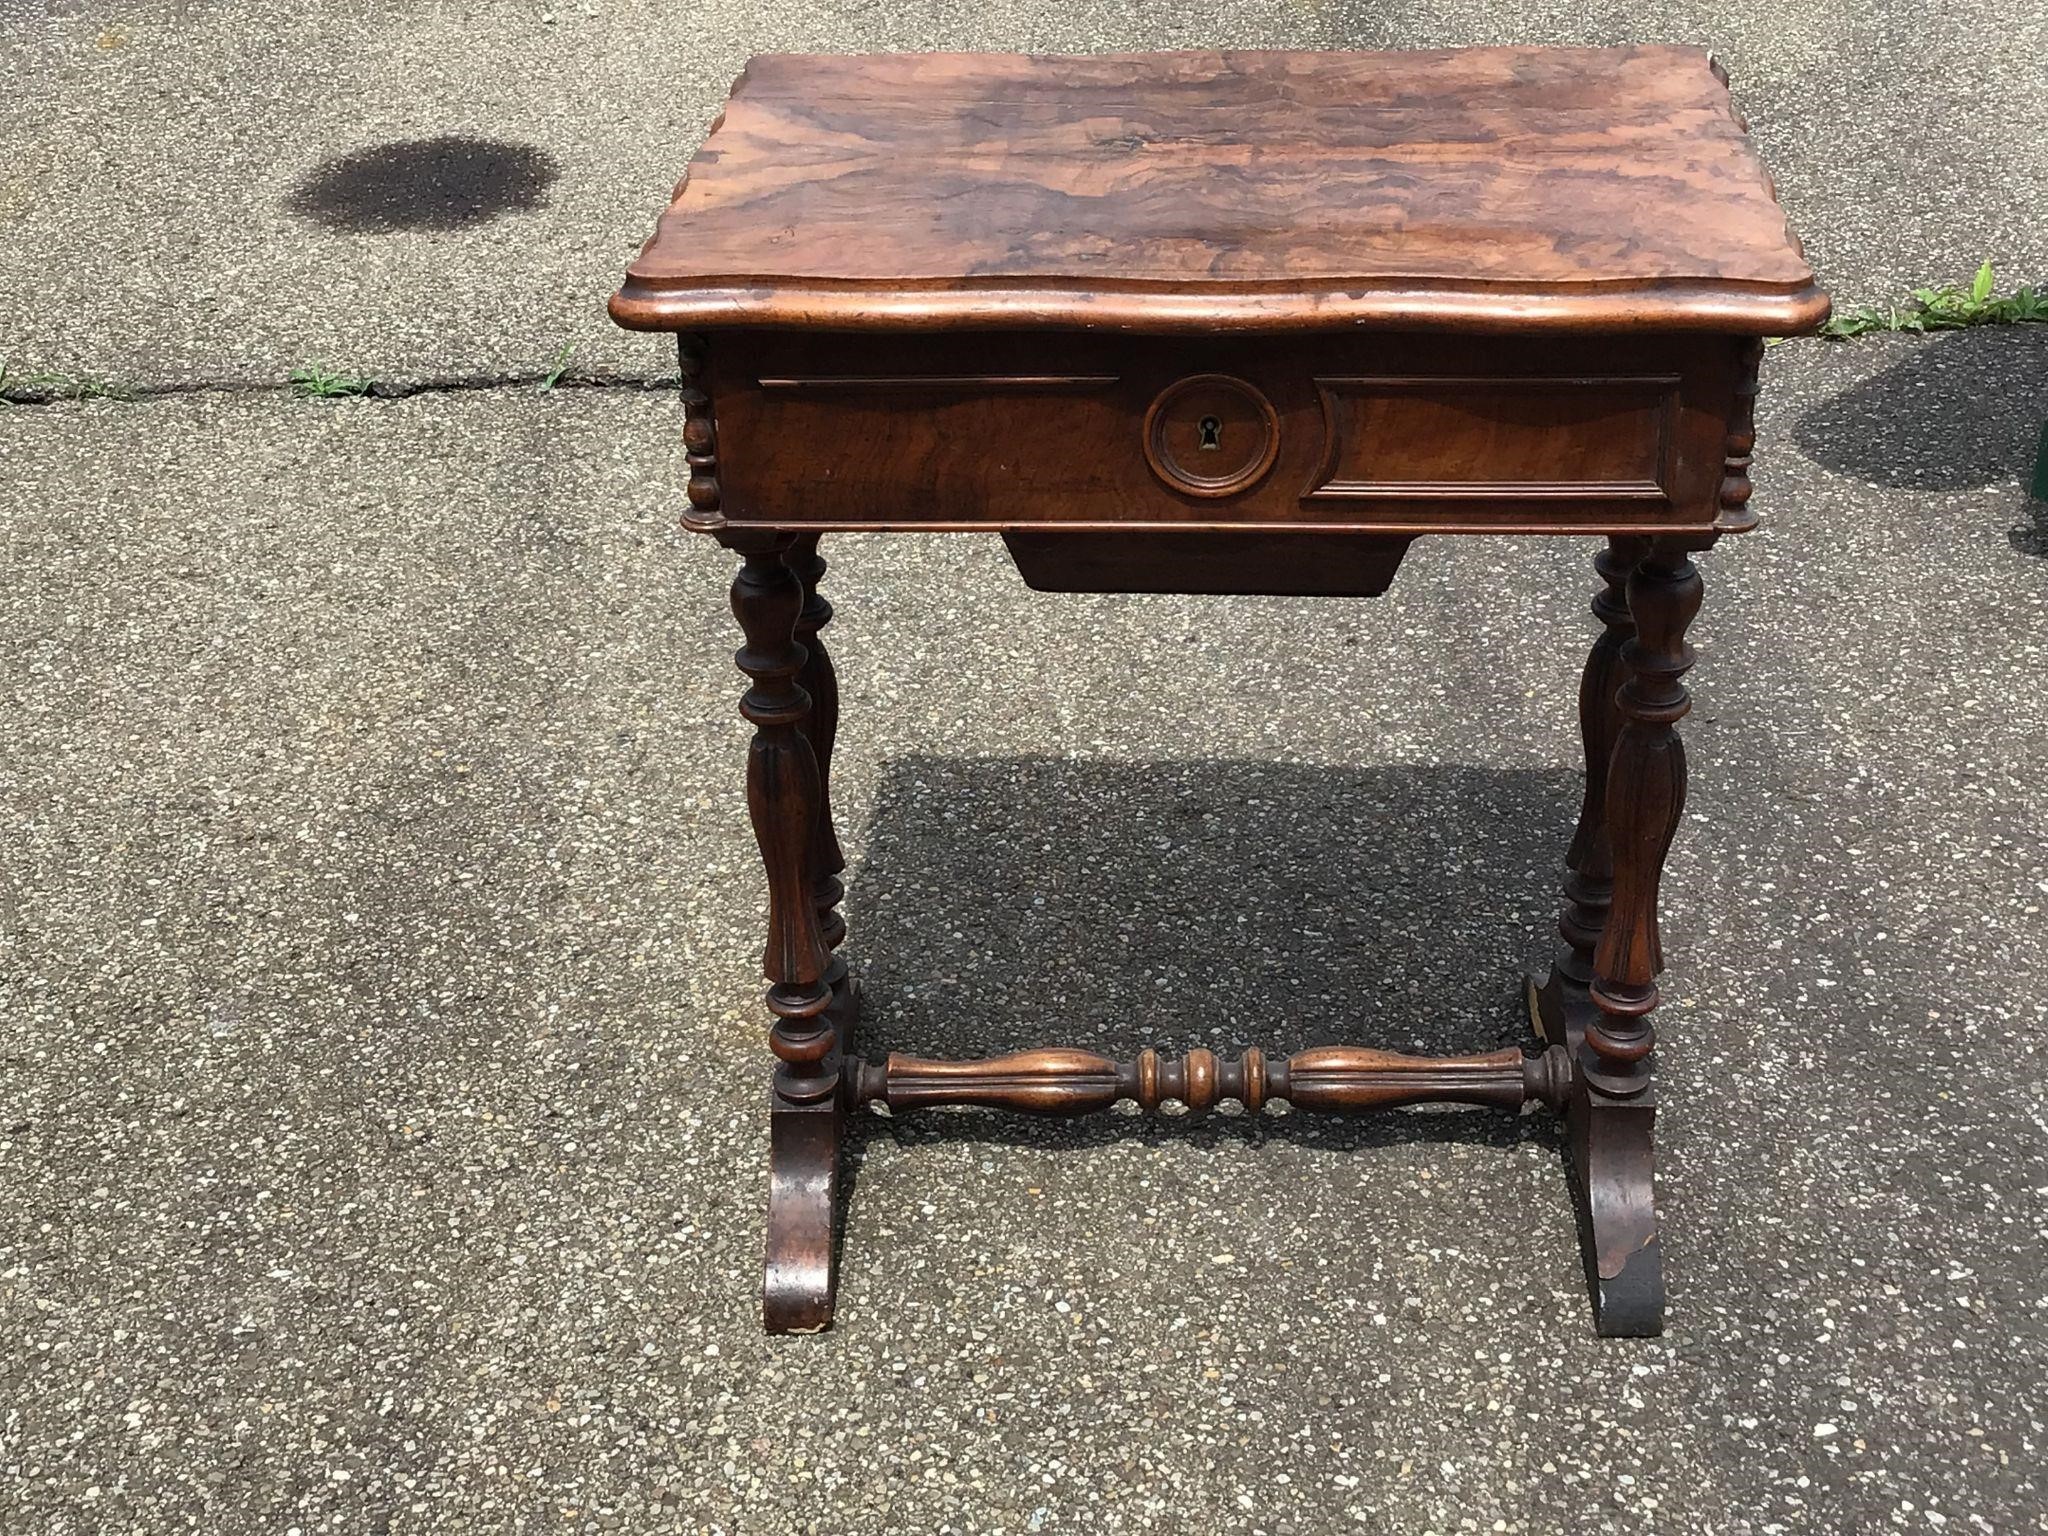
(2031, 538)
(1015, 902)
(1955, 412)
(451, 182)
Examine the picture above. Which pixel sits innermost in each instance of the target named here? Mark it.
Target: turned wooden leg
(1613, 1106)
(821, 728)
(1560, 1005)
(784, 795)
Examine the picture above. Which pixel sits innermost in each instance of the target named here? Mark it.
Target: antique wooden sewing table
(1238, 322)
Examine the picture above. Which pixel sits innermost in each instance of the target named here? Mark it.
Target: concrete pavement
(157, 226)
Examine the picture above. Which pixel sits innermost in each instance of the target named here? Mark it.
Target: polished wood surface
(808, 991)
(1396, 433)
(1344, 1078)
(1593, 188)
(1589, 861)
(1630, 701)
(1231, 323)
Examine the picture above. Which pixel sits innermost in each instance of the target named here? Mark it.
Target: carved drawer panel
(1382, 432)
(1584, 439)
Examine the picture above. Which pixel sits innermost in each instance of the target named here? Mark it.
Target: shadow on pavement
(1955, 412)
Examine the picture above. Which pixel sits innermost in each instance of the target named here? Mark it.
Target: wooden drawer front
(1389, 433)
(1589, 440)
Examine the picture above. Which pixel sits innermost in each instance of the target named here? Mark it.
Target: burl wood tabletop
(1498, 188)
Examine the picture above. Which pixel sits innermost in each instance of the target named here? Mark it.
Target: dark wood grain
(1645, 796)
(1609, 1134)
(1613, 1109)
(1227, 322)
(784, 797)
(1500, 187)
(1433, 437)
(1562, 1005)
(1397, 433)
(1342, 1078)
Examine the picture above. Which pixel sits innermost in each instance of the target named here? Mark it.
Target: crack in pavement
(67, 391)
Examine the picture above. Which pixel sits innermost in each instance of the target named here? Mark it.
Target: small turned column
(1739, 446)
(700, 439)
(783, 795)
(1645, 798)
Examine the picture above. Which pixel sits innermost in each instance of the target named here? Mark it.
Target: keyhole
(1211, 438)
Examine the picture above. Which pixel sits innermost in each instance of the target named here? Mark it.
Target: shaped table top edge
(656, 296)
(1722, 309)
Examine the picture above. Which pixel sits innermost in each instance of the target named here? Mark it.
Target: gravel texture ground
(159, 204)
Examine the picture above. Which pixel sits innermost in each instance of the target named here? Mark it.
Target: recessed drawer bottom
(1250, 562)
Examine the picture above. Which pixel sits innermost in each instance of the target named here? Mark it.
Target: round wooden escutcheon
(1211, 435)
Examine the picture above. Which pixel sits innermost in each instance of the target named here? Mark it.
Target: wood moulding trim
(1658, 390)
(1537, 522)
(1489, 490)
(652, 304)
(961, 382)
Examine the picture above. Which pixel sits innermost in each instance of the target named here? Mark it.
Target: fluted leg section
(821, 729)
(785, 796)
(1560, 1005)
(1613, 1107)
(1645, 798)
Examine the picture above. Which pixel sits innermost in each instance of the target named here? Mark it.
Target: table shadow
(1958, 411)
(1011, 902)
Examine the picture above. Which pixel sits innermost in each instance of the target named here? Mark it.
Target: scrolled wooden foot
(803, 1202)
(1610, 1162)
(801, 1277)
(809, 993)
(1612, 1159)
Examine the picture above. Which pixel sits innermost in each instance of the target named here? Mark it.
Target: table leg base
(802, 1272)
(1610, 1160)
(1609, 1141)
(803, 1202)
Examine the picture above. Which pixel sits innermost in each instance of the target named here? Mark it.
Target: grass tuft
(26, 388)
(1946, 309)
(558, 369)
(315, 382)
